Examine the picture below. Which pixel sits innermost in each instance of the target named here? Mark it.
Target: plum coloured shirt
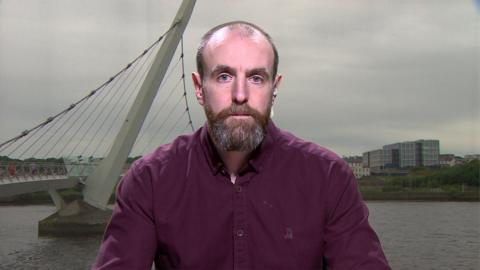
(295, 205)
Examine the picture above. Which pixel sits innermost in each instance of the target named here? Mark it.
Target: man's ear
(276, 84)
(197, 83)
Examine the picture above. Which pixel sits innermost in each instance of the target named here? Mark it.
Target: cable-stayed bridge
(141, 106)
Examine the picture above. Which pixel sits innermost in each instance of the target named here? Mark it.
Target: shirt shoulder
(289, 144)
(167, 154)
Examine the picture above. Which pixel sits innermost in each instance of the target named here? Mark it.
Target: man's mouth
(240, 115)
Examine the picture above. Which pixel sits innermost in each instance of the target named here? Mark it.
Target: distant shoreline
(43, 198)
(422, 196)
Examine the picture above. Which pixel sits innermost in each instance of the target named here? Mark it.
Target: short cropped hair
(245, 28)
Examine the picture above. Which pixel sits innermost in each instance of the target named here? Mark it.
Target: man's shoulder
(313, 160)
(171, 152)
(292, 145)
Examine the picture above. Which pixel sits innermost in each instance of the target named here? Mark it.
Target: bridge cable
(54, 133)
(44, 144)
(187, 110)
(57, 120)
(152, 120)
(161, 125)
(146, 53)
(135, 90)
(90, 115)
(123, 80)
(26, 132)
(174, 126)
(30, 135)
(185, 88)
(72, 124)
(58, 130)
(188, 125)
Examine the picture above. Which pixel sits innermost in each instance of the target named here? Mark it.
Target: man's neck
(233, 160)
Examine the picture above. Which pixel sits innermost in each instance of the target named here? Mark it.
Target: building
(430, 152)
(447, 160)
(403, 155)
(459, 160)
(357, 166)
(374, 160)
(469, 158)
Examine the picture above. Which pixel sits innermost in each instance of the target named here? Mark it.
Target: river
(414, 235)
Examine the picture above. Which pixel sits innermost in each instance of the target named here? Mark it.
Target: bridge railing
(12, 170)
(23, 170)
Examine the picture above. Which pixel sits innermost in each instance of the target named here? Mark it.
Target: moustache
(243, 109)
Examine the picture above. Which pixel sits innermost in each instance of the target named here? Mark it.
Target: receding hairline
(242, 28)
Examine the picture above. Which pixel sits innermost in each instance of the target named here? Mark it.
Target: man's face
(237, 88)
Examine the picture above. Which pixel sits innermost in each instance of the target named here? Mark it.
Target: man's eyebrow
(262, 71)
(223, 68)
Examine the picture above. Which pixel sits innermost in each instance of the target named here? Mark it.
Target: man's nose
(240, 92)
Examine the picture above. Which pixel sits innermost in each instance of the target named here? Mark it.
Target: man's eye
(224, 77)
(257, 79)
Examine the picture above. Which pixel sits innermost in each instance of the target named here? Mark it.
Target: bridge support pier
(75, 219)
(56, 198)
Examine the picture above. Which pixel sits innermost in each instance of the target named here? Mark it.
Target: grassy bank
(459, 183)
(369, 193)
(41, 197)
(454, 194)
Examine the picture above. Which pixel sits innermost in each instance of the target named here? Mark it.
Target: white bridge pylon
(101, 183)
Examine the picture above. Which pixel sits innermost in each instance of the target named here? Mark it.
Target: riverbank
(437, 196)
(369, 193)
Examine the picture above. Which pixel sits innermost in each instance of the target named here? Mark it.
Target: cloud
(358, 73)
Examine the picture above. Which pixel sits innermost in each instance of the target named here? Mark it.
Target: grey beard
(239, 136)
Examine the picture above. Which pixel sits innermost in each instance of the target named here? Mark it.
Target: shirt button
(240, 233)
(238, 189)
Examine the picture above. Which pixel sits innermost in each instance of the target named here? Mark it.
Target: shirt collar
(257, 159)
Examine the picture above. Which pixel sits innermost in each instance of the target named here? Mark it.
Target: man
(239, 193)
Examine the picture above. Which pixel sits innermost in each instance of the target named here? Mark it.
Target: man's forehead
(255, 41)
(227, 34)
(220, 35)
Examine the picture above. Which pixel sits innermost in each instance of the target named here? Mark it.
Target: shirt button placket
(240, 252)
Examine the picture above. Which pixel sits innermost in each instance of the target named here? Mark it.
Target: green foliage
(5, 158)
(31, 159)
(130, 160)
(420, 171)
(466, 174)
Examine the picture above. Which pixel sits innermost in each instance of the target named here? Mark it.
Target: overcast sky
(357, 74)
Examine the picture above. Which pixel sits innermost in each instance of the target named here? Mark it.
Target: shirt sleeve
(350, 242)
(129, 241)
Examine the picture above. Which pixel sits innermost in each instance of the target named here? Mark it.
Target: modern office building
(374, 160)
(404, 155)
(430, 152)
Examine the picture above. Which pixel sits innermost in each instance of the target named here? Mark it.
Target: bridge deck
(27, 177)
(15, 186)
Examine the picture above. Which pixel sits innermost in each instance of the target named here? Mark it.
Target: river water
(414, 235)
